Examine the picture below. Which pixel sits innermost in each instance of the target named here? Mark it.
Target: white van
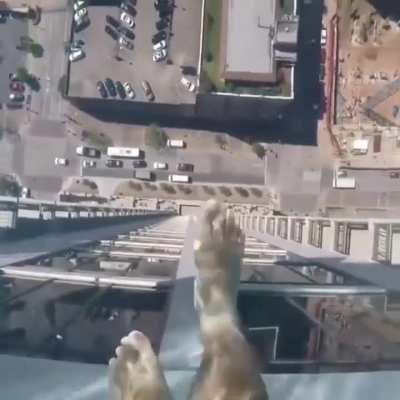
(176, 143)
(179, 178)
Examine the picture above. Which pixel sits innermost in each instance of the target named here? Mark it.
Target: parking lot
(10, 57)
(134, 66)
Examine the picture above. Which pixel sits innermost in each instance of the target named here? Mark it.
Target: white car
(61, 161)
(129, 90)
(25, 192)
(159, 55)
(127, 20)
(188, 84)
(89, 164)
(160, 165)
(76, 55)
(79, 4)
(160, 45)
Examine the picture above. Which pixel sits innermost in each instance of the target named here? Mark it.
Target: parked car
(189, 85)
(89, 164)
(17, 86)
(127, 32)
(88, 151)
(79, 4)
(63, 162)
(16, 97)
(162, 35)
(148, 92)
(101, 89)
(185, 167)
(395, 111)
(164, 12)
(126, 43)
(3, 16)
(160, 45)
(159, 55)
(13, 77)
(131, 2)
(110, 87)
(112, 21)
(120, 90)
(160, 165)
(160, 3)
(76, 55)
(114, 163)
(162, 24)
(111, 32)
(129, 90)
(127, 20)
(25, 192)
(139, 164)
(128, 9)
(395, 174)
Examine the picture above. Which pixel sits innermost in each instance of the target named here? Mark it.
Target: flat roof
(248, 29)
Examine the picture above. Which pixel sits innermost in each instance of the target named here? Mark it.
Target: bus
(127, 152)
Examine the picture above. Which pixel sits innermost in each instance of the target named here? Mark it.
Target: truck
(143, 175)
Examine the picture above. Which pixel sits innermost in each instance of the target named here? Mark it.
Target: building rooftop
(246, 39)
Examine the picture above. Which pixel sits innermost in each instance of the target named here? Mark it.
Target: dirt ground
(369, 61)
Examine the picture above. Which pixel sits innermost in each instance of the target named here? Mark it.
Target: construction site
(362, 81)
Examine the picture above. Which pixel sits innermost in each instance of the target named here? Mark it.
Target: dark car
(110, 87)
(13, 77)
(111, 32)
(395, 175)
(161, 3)
(164, 13)
(112, 21)
(3, 17)
(185, 167)
(114, 163)
(17, 86)
(131, 2)
(101, 89)
(159, 36)
(162, 24)
(120, 89)
(139, 164)
(128, 9)
(127, 32)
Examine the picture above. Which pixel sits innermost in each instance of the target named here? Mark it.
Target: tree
(31, 80)
(37, 50)
(9, 187)
(258, 149)
(155, 137)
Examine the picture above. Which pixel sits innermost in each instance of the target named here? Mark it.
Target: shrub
(135, 186)
(258, 149)
(155, 137)
(242, 192)
(168, 188)
(209, 190)
(225, 191)
(150, 186)
(185, 189)
(256, 192)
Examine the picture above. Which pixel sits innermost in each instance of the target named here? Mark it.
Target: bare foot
(218, 256)
(134, 373)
